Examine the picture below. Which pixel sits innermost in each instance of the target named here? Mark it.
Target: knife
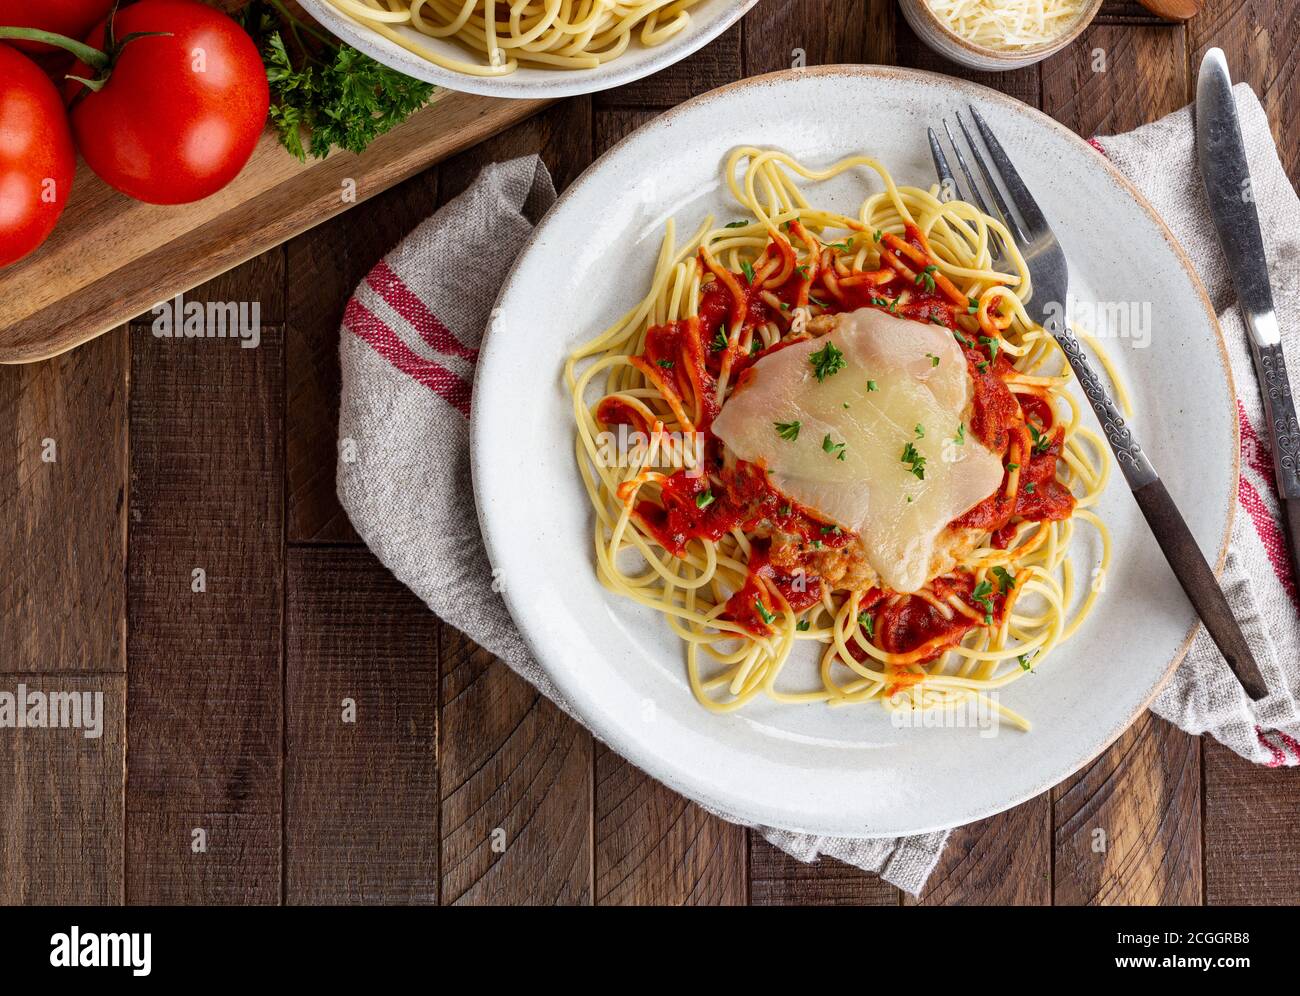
(1222, 157)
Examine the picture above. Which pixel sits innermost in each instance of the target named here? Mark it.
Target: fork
(1049, 278)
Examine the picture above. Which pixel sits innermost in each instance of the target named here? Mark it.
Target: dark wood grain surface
(302, 730)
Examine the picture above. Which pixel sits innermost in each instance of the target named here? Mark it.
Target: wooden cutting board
(112, 258)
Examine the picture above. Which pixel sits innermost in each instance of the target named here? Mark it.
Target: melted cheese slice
(871, 491)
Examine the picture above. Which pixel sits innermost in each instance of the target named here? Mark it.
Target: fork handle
(1133, 462)
(1167, 523)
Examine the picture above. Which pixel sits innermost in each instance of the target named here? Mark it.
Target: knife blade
(1221, 155)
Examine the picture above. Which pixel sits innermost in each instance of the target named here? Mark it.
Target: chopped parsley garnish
(972, 306)
(666, 364)
(934, 360)
(960, 438)
(983, 365)
(802, 271)
(871, 386)
(738, 224)
(763, 612)
(1042, 441)
(704, 499)
(845, 246)
(832, 530)
(936, 320)
(784, 510)
(915, 460)
(835, 449)
(1013, 466)
(992, 344)
(788, 431)
(1005, 578)
(1026, 658)
(926, 277)
(878, 235)
(719, 342)
(755, 344)
(827, 361)
(1029, 488)
(919, 429)
(747, 269)
(868, 624)
(983, 597)
(963, 340)
(802, 625)
(817, 301)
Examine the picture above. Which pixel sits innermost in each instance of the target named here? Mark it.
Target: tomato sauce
(690, 353)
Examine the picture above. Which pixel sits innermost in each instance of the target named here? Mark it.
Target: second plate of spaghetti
(827, 541)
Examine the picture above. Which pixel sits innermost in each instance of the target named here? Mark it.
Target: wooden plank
(712, 66)
(63, 483)
(1129, 12)
(61, 799)
(515, 772)
(1005, 860)
(516, 787)
(776, 879)
(655, 848)
(205, 685)
(1261, 39)
(1252, 836)
(112, 257)
(819, 33)
(1117, 78)
(63, 523)
(325, 265)
(361, 789)
(1128, 826)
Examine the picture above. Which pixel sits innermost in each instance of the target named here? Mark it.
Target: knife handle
(1279, 414)
(1198, 581)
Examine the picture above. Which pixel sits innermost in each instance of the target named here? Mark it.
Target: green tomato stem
(92, 57)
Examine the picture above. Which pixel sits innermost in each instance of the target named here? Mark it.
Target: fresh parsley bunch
(323, 93)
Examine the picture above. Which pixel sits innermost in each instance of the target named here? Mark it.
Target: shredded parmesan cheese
(1008, 24)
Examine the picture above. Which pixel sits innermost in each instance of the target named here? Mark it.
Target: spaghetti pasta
(507, 34)
(716, 548)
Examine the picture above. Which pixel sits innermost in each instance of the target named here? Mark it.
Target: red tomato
(180, 113)
(36, 156)
(73, 18)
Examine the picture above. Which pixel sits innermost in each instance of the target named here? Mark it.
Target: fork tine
(995, 244)
(947, 182)
(1024, 201)
(1004, 211)
(970, 180)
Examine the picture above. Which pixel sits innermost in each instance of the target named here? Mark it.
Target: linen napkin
(408, 346)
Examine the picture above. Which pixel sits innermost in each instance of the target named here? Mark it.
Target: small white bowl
(945, 41)
(709, 19)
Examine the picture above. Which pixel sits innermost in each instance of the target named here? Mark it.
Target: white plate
(708, 20)
(838, 771)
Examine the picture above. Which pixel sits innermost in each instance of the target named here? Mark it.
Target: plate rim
(567, 82)
(650, 762)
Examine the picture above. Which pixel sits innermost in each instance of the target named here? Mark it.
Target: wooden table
(458, 784)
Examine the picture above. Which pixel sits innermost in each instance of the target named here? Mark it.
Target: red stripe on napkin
(390, 287)
(363, 323)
